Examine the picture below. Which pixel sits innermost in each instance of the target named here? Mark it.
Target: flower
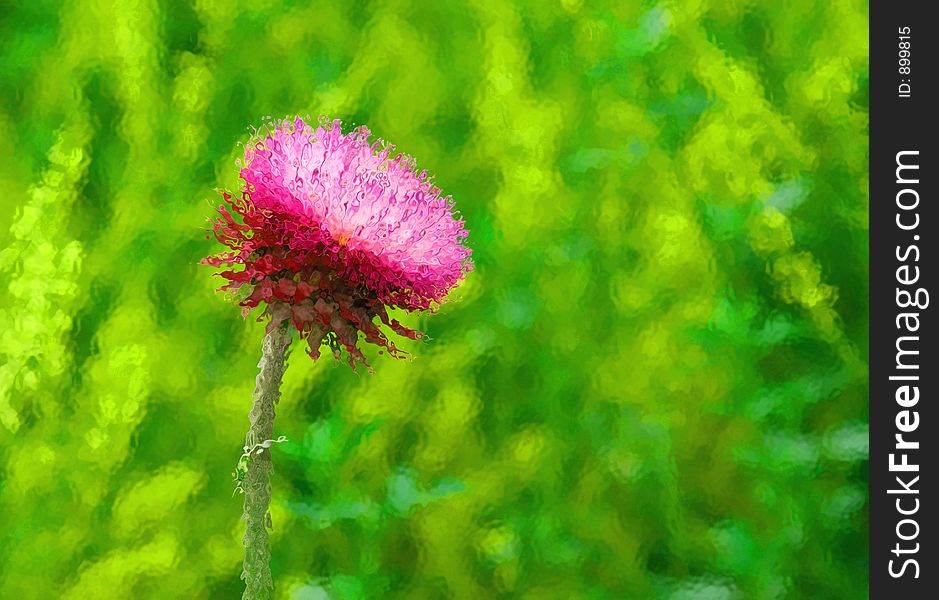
(337, 231)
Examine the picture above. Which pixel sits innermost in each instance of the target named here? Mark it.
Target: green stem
(257, 483)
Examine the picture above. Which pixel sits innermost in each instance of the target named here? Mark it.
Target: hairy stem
(257, 483)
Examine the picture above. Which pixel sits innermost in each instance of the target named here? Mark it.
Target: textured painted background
(653, 385)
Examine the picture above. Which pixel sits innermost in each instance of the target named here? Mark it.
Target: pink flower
(333, 228)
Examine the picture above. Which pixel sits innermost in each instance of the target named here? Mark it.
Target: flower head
(336, 231)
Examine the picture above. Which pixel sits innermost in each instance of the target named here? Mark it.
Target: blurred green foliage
(653, 385)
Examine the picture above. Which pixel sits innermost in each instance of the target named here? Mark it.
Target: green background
(652, 386)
